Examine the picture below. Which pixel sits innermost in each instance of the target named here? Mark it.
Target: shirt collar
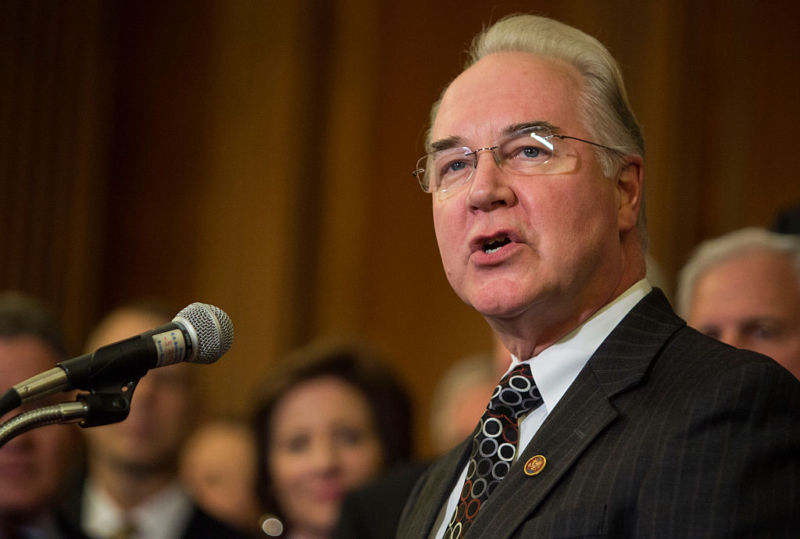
(163, 515)
(556, 367)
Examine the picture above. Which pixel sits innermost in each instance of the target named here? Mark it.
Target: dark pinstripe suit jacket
(664, 433)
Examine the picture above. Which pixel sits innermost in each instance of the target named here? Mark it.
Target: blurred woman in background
(331, 418)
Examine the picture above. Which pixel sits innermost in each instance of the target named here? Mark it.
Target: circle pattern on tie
(494, 444)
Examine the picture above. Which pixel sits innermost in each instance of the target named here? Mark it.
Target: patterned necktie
(494, 445)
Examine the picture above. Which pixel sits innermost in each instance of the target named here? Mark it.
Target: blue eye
(452, 170)
(531, 151)
(526, 150)
(455, 166)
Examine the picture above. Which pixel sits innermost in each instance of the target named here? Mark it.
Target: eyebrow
(457, 142)
(445, 144)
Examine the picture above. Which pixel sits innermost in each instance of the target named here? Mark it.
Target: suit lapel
(437, 484)
(582, 414)
(576, 421)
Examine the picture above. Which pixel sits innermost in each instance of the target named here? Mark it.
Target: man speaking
(615, 418)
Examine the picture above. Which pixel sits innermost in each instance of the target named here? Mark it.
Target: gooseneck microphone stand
(104, 405)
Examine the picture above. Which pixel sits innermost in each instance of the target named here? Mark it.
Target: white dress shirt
(554, 370)
(162, 516)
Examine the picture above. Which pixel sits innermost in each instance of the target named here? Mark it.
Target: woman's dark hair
(357, 364)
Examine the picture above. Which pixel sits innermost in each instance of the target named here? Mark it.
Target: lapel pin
(535, 465)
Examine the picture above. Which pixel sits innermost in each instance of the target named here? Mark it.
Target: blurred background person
(131, 487)
(461, 395)
(743, 288)
(32, 464)
(459, 400)
(218, 467)
(331, 418)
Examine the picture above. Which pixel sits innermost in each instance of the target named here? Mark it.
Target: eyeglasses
(531, 151)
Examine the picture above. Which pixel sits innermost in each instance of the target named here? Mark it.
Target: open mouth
(495, 244)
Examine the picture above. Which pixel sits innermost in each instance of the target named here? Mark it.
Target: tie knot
(516, 394)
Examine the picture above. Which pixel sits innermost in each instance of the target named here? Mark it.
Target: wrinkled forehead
(505, 89)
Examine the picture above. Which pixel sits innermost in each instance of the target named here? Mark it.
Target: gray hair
(713, 252)
(604, 107)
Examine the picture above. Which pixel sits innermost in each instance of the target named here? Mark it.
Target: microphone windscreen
(213, 328)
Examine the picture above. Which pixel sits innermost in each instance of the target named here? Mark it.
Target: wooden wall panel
(257, 155)
(55, 72)
(255, 225)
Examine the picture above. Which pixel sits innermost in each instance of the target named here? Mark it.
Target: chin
(498, 307)
(500, 299)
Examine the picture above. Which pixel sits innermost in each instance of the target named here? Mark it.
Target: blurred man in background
(131, 488)
(743, 288)
(32, 464)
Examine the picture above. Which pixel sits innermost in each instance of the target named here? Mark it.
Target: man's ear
(630, 192)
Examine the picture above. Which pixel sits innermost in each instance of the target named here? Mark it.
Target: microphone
(200, 333)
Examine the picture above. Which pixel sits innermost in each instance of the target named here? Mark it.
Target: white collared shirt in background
(163, 516)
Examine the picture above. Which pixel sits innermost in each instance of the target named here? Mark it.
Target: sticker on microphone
(171, 347)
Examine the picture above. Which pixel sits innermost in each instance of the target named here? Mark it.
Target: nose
(490, 186)
(323, 457)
